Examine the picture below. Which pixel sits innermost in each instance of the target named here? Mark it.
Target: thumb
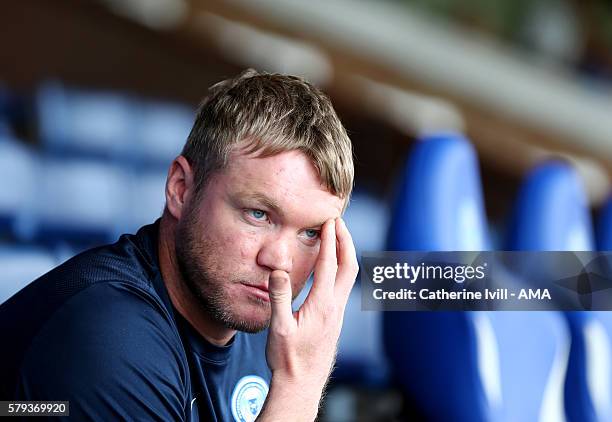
(279, 289)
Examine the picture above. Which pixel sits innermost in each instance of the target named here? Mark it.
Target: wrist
(292, 398)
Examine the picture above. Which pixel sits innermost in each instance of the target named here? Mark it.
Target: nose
(276, 253)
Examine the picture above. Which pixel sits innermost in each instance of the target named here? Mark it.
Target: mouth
(258, 290)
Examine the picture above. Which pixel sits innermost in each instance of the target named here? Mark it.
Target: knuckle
(279, 296)
(328, 312)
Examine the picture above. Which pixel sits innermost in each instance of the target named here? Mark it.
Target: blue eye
(257, 214)
(311, 233)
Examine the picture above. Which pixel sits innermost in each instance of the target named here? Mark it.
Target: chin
(252, 317)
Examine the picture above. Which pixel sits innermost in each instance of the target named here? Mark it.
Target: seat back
(551, 214)
(18, 172)
(98, 124)
(79, 201)
(162, 129)
(20, 266)
(439, 206)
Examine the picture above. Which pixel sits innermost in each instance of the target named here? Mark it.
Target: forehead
(289, 179)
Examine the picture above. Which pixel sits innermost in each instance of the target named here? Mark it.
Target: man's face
(255, 216)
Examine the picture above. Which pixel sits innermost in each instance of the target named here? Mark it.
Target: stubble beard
(198, 262)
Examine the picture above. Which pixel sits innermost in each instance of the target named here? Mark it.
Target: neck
(181, 296)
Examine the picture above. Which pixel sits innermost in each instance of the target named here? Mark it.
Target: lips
(259, 286)
(260, 290)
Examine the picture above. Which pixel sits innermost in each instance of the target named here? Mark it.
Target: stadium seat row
(487, 366)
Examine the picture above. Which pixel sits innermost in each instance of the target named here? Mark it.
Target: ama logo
(248, 398)
(534, 294)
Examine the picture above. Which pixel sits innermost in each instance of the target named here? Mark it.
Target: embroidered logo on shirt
(248, 398)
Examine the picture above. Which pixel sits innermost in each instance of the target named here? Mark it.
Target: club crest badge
(248, 398)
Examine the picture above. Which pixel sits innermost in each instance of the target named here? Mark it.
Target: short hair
(273, 113)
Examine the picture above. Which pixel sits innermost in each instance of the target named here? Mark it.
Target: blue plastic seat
(18, 177)
(445, 362)
(552, 214)
(20, 266)
(603, 326)
(604, 227)
(98, 124)
(161, 132)
(78, 201)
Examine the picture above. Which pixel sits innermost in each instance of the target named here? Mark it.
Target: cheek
(304, 264)
(246, 242)
(232, 243)
(310, 257)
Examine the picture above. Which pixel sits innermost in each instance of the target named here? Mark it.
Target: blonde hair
(273, 113)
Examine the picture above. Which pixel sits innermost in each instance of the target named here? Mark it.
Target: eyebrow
(270, 203)
(263, 199)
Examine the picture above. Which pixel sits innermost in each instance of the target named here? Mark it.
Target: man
(169, 324)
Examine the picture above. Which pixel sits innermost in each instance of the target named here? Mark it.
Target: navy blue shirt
(100, 331)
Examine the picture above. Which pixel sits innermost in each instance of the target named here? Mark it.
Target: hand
(302, 345)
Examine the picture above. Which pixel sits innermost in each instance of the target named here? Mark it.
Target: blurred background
(476, 125)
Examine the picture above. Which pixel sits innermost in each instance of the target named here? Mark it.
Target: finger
(279, 289)
(347, 262)
(326, 265)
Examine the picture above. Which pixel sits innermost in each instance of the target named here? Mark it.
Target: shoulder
(109, 310)
(113, 344)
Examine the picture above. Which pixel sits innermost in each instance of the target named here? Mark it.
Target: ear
(179, 186)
